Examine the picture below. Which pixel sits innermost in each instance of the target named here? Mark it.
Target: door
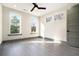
(73, 26)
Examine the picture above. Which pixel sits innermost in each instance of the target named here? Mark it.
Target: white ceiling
(28, 6)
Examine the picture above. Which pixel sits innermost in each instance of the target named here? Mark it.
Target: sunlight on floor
(43, 41)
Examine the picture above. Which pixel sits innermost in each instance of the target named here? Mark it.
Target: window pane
(33, 24)
(15, 23)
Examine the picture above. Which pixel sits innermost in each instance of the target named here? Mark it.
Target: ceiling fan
(35, 5)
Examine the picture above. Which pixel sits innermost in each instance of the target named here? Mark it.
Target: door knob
(68, 30)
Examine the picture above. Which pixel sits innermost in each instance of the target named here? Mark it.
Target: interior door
(73, 26)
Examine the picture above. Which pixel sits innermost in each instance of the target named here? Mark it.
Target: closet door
(73, 26)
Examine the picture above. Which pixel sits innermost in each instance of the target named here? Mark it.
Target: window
(15, 23)
(33, 29)
(59, 16)
(33, 25)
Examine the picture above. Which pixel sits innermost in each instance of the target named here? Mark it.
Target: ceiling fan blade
(35, 4)
(41, 8)
(32, 9)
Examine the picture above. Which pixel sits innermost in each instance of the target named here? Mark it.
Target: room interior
(44, 25)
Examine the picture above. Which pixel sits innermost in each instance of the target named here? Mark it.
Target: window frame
(10, 24)
(34, 21)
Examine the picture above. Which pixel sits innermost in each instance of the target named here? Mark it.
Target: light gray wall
(54, 29)
(0, 23)
(25, 24)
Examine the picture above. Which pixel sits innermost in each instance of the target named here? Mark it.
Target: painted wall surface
(55, 29)
(0, 23)
(25, 24)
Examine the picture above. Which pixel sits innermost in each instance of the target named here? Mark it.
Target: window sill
(14, 34)
(33, 33)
